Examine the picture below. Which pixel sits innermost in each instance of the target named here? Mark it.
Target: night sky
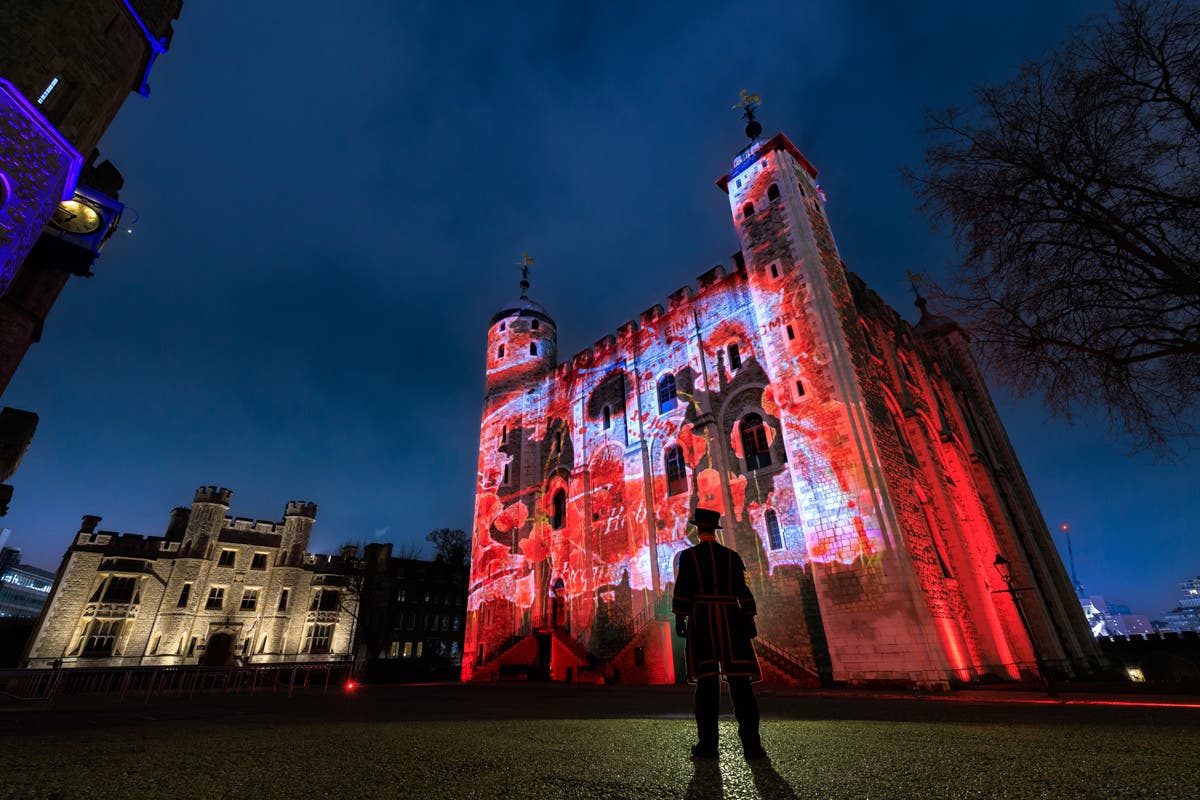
(329, 204)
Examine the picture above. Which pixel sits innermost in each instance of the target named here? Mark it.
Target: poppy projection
(860, 467)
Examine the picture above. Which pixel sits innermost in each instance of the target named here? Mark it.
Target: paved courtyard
(554, 741)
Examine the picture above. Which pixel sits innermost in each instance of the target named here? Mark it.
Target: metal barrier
(146, 682)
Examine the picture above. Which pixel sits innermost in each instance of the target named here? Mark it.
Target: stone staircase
(781, 668)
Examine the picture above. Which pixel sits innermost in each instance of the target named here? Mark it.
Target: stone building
(213, 590)
(412, 616)
(861, 468)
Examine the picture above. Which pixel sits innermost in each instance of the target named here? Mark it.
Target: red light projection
(787, 395)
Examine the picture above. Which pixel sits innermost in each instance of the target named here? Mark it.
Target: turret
(298, 520)
(206, 519)
(522, 341)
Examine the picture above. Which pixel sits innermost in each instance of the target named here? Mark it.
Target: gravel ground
(531, 742)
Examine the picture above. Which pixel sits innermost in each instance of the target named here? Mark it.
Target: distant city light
(49, 89)
(1135, 674)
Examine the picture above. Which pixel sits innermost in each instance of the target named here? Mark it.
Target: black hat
(706, 518)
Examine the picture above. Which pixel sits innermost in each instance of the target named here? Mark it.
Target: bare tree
(449, 545)
(1073, 191)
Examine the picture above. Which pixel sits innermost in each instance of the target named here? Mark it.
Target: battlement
(300, 508)
(211, 494)
(256, 525)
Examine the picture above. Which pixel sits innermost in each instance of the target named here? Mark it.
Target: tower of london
(212, 590)
(860, 466)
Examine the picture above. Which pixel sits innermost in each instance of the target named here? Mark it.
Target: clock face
(76, 217)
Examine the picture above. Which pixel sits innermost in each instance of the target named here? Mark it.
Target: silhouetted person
(714, 611)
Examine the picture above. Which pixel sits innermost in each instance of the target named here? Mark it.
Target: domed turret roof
(522, 307)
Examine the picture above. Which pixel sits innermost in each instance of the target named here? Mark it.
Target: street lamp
(1004, 569)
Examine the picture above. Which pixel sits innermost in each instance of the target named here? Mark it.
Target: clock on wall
(74, 216)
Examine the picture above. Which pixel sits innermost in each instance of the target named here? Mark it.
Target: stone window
(249, 599)
(501, 324)
(216, 598)
(754, 442)
(259, 561)
(318, 639)
(675, 469)
(748, 210)
(666, 393)
(558, 512)
(185, 594)
(735, 357)
(535, 324)
(283, 600)
(774, 270)
(800, 186)
(772, 193)
(607, 414)
(228, 558)
(500, 351)
(121, 590)
(799, 388)
(504, 435)
(774, 535)
(101, 637)
(408, 649)
(394, 650)
(324, 600)
(790, 333)
(154, 644)
(505, 477)
(533, 348)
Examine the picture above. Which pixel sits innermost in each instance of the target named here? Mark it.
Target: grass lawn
(603, 758)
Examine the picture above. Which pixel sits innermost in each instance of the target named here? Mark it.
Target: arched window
(558, 510)
(535, 324)
(500, 351)
(735, 357)
(533, 348)
(558, 440)
(800, 186)
(748, 210)
(501, 324)
(504, 434)
(666, 393)
(772, 193)
(504, 479)
(676, 471)
(774, 537)
(607, 413)
(754, 442)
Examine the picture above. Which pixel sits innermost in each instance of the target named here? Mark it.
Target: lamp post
(1004, 569)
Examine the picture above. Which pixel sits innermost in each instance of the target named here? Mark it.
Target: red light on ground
(351, 685)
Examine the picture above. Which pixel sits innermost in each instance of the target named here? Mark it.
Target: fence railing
(145, 683)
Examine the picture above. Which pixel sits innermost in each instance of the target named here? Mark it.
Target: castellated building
(214, 590)
(860, 466)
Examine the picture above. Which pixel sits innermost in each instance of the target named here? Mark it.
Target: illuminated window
(259, 561)
(607, 414)
(535, 324)
(120, 590)
(772, 193)
(318, 639)
(216, 598)
(228, 558)
(185, 594)
(500, 351)
(408, 649)
(754, 442)
(394, 650)
(791, 333)
(735, 357)
(774, 537)
(748, 210)
(249, 599)
(666, 393)
(533, 348)
(101, 637)
(48, 90)
(558, 513)
(283, 600)
(420, 648)
(676, 471)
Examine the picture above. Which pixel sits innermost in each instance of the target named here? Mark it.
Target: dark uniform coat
(710, 588)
